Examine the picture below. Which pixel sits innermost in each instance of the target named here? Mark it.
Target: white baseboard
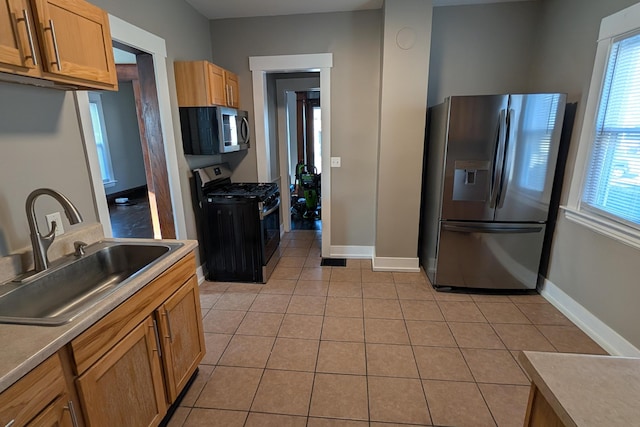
(600, 332)
(362, 252)
(200, 275)
(409, 265)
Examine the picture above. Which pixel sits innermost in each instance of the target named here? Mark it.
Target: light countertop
(24, 346)
(587, 390)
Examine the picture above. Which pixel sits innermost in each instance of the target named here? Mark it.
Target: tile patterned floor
(346, 346)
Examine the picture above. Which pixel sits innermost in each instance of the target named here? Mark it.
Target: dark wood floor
(132, 219)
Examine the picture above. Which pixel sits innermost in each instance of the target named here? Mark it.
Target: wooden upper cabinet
(18, 42)
(203, 84)
(76, 43)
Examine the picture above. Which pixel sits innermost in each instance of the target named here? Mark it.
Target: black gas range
(239, 226)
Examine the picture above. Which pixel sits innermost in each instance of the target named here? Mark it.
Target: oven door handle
(263, 214)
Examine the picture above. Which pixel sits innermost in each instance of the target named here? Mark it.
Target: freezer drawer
(489, 255)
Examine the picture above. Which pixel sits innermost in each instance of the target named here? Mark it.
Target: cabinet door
(76, 42)
(124, 387)
(58, 414)
(182, 336)
(216, 85)
(233, 94)
(17, 40)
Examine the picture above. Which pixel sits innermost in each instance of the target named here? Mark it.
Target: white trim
(362, 252)
(410, 265)
(604, 226)
(130, 35)
(595, 328)
(260, 66)
(200, 274)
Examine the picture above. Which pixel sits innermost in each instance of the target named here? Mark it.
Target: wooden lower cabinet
(125, 386)
(539, 412)
(58, 414)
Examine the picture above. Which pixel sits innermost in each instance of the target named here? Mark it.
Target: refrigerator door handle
(498, 159)
(506, 162)
(496, 229)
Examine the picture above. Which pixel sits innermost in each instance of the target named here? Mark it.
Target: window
(102, 144)
(606, 196)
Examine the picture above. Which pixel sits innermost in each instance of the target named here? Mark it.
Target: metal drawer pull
(472, 229)
(55, 44)
(25, 16)
(10, 423)
(72, 411)
(155, 332)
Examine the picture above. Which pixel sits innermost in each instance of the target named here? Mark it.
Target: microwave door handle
(245, 130)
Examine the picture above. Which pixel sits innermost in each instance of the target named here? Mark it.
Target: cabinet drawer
(103, 335)
(24, 400)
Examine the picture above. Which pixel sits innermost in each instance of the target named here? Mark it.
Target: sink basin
(59, 294)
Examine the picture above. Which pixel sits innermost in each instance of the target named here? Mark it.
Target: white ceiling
(220, 9)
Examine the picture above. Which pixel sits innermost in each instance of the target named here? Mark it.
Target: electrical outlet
(58, 220)
(336, 162)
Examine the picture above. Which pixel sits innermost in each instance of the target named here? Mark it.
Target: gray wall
(599, 273)
(40, 143)
(354, 39)
(121, 120)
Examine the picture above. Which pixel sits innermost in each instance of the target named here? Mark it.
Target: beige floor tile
(346, 274)
(507, 403)
(287, 273)
(298, 252)
(352, 263)
(369, 276)
(379, 290)
(284, 392)
(179, 417)
(409, 277)
(366, 264)
(385, 331)
(199, 417)
(235, 301)
(543, 314)
(208, 300)
(263, 324)
(312, 288)
(445, 403)
(490, 298)
(190, 397)
(570, 339)
(222, 321)
(451, 296)
(421, 310)
(475, 335)
(305, 304)
(230, 388)
(316, 272)
(267, 303)
(343, 329)
(292, 261)
(332, 422)
(428, 333)
(300, 243)
(247, 351)
(494, 366)
(215, 345)
(340, 396)
(294, 355)
(213, 287)
(313, 262)
(272, 420)
(397, 400)
(390, 360)
(344, 307)
(301, 326)
(279, 286)
(523, 337)
(528, 299)
(341, 358)
(243, 288)
(345, 289)
(382, 308)
(442, 363)
(502, 312)
(461, 311)
(415, 291)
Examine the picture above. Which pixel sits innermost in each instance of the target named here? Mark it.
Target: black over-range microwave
(214, 130)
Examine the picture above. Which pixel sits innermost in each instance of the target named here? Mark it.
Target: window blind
(612, 183)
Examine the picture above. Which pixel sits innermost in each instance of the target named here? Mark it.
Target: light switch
(336, 162)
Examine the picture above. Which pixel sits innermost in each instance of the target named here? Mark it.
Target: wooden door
(76, 41)
(18, 46)
(57, 414)
(125, 387)
(182, 336)
(233, 95)
(216, 85)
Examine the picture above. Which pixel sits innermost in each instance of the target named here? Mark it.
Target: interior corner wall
(597, 272)
(403, 102)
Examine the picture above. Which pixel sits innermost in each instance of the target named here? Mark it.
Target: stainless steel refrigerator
(487, 181)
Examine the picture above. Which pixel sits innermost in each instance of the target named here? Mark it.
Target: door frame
(260, 66)
(130, 35)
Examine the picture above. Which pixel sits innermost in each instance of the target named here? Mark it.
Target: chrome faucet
(41, 243)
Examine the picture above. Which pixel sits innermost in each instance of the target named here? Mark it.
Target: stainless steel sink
(75, 284)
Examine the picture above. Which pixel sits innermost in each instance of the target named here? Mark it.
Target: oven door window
(270, 234)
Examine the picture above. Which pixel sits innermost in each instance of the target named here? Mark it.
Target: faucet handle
(79, 247)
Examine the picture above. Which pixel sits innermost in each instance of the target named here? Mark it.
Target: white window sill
(108, 184)
(604, 226)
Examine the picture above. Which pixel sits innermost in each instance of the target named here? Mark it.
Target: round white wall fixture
(406, 38)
